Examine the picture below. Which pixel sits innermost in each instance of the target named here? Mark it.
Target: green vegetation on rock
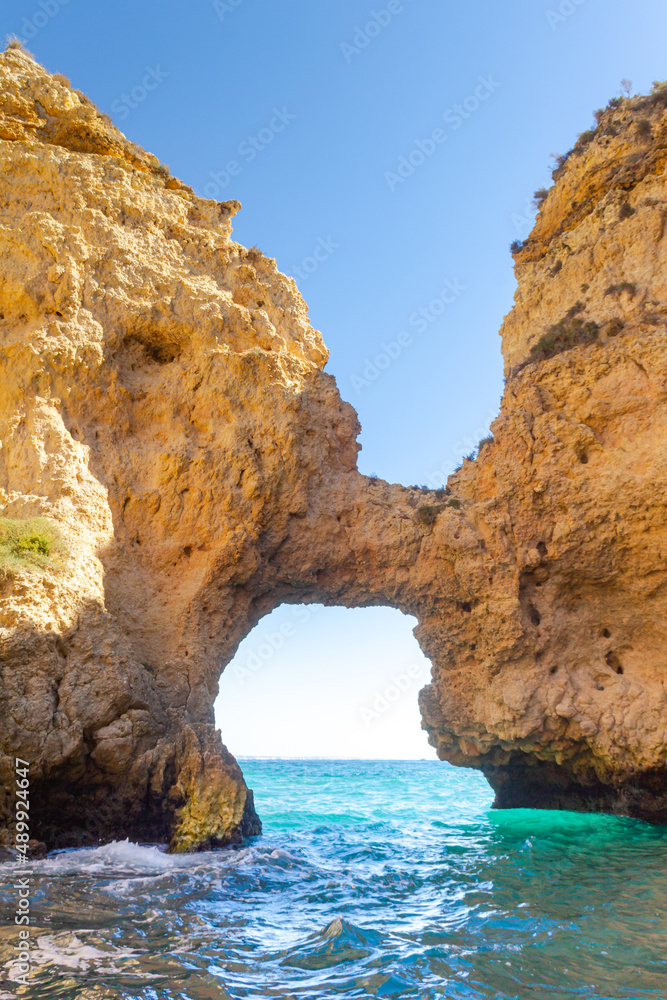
(32, 543)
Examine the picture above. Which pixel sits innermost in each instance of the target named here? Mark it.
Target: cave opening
(328, 682)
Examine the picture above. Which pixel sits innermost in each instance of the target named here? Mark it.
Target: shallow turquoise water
(372, 879)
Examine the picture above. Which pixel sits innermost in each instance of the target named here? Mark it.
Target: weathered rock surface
(164, 401)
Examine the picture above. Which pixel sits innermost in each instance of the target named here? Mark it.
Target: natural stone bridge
(164, 401)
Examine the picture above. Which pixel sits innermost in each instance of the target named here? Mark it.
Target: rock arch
(164, 400)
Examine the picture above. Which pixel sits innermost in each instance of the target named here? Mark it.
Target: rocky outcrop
(165, 403)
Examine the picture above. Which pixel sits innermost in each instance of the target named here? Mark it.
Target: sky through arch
(312, 681)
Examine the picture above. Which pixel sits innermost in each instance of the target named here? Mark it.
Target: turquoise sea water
(372, 879)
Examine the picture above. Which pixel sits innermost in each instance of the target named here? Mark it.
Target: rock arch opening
(316, 681)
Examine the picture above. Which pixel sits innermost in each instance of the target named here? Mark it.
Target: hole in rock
(149, 348)
(315, 681)
(534, 615)
(613, 661)
(606, 633)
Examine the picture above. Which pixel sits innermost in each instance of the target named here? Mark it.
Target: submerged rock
(164, 403)
(338, 942)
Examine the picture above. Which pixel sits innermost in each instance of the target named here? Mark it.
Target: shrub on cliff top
(29, 543)
(14, 44)
(560, 159)
(584, 140)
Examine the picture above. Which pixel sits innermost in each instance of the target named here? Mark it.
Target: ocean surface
(372, 879)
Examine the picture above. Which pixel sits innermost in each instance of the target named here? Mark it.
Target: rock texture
(164, 401)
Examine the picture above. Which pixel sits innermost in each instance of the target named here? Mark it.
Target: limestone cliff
(164, 403)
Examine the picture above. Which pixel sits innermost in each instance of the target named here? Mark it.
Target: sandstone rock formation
(164, 402)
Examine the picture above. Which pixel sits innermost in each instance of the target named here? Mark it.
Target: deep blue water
(372, 879)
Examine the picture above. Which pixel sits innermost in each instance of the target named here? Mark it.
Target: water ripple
(372, 879)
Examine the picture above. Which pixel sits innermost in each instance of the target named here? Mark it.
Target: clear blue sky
(318, 104)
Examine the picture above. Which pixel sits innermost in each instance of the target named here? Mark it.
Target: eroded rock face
(164, 401)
